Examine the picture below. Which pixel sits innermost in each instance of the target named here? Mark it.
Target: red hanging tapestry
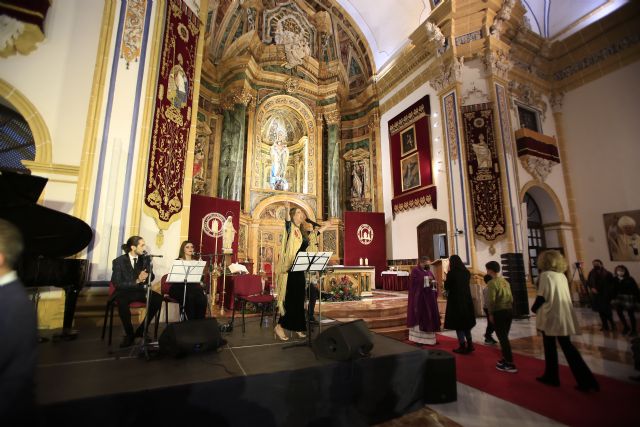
(172, 114)
(410, 148)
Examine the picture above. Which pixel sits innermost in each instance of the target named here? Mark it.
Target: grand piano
(49, 236)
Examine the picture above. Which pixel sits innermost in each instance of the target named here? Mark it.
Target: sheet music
(313, 261)
(180, 268)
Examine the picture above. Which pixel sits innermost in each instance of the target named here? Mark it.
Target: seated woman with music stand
(194, 299)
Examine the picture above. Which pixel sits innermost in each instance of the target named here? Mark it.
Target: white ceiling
(557, 19)
(387, 24)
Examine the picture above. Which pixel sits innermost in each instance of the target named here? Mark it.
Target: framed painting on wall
(408, 141)
(410, 167)
(623, 235)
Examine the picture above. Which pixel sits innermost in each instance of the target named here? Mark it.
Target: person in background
(557, 320)
(627, 298)
(460, 315)
(195, 302)
(501, 314)
(600, 282)
(18, 333)
(423, 317)
(488, 333)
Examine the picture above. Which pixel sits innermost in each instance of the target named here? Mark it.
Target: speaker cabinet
(193, 336)
(440, 383)
(346, 341)
(513, 270)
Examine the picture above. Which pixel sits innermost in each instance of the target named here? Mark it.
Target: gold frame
(402, 163)
(411, 129)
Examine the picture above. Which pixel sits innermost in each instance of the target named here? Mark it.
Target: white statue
(228, 235)
(483, 154)
(356, 182)
(279, 160)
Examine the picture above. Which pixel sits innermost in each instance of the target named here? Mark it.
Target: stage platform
(252, 379)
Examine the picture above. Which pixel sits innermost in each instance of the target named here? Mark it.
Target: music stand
(183, 271)
(307, 262)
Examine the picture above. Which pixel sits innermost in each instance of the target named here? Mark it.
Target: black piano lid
(46, 232)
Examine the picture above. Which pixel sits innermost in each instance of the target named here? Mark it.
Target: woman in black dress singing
(291, 285)
(195, 306)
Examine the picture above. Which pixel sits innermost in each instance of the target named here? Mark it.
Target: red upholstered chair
(164, 289)
(249, 289)
(268, 282)
(112, 304)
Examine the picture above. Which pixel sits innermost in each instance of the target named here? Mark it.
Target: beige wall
(57, 76)
(602, 128)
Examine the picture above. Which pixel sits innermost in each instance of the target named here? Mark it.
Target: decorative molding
(291, 85)
(469, 37)
(528, 95)
(434, 34)
(537, 167)
(133, 30)
(503, 15)
(497, 62)
(597, 57)
(450, 73)
(360, 204)
(332, 117)
(51, 168)
(556, 100)
(237, 96)
(474, 96)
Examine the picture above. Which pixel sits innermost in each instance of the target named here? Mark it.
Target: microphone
(145, 253)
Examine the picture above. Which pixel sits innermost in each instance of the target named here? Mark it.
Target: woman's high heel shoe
(279, 333)
(301, 334)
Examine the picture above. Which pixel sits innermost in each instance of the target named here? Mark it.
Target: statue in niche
(483, 154)
(296, 46)
(357, 183)
(279, 160)
(228, 235)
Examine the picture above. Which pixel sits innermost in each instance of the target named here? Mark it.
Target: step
(339, 310)
(396, 332)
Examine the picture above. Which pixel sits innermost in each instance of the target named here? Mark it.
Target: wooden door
(426, 231)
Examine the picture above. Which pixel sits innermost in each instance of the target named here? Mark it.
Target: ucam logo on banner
(364, 237)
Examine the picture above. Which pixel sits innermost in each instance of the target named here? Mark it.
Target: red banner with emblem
(208, 214)
(365, 237)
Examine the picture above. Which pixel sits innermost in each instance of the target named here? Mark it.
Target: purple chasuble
(422, 307)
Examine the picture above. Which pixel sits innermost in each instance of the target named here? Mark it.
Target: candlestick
(201, 231)
(215, 236)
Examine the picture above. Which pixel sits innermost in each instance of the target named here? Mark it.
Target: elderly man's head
(11, 246)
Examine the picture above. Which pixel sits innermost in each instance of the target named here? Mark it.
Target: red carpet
(616, 404)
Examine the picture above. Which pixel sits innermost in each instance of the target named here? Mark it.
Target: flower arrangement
(340, 291)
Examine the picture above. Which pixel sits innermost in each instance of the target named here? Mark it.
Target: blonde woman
(557, 320)
(291, 285)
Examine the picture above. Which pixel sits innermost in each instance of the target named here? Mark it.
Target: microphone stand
(146, 344)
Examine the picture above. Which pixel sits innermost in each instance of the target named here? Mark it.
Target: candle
(215, 232)
(366, 261)
(360, 260)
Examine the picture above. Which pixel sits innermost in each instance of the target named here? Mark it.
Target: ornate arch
(39, 129)
(260, 207)
(548, 191)
(308, 119)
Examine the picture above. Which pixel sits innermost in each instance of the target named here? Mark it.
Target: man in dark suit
(130, 272)
(18, 334)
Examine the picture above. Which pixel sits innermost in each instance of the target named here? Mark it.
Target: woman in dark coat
(600, 282)
(627, 298)
(460, 314)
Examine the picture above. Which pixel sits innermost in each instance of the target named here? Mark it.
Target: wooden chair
(249, 289)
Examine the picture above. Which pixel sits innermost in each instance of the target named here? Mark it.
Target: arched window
(535, 234)
(16, 139)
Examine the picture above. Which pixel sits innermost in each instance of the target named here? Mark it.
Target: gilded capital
(332, 117)
(237, 96)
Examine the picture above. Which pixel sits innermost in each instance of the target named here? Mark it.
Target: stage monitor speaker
(440, 377)
(193, 336)
(346, 341)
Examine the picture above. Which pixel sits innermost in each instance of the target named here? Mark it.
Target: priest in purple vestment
(423, 318)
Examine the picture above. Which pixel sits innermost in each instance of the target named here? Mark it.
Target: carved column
(556, 100)
(333, 164)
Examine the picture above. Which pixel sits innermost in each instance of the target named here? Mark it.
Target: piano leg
(70, 301)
